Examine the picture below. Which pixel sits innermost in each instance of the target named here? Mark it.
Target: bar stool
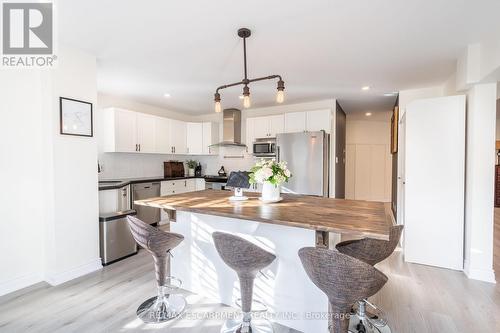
(371, 251)
(247, 259)
(166, 305)
(343, 279)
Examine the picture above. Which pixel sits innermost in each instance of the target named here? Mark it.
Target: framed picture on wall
(75, 117)
(394, 130)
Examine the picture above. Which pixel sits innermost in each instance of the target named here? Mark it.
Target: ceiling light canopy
(280, 94)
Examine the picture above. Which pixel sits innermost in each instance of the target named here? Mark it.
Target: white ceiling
(323, 49)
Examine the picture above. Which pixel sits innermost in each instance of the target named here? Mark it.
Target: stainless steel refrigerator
(307, 156)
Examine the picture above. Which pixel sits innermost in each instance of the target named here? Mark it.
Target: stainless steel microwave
(264, 148)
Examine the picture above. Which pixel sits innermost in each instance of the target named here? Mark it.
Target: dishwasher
(141, 191)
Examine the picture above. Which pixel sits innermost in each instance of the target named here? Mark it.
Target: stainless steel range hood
(231, 129)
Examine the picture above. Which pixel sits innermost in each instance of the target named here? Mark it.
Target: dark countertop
(117, 183)
(353, 217)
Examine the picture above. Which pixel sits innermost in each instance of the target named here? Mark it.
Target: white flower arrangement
(269, 171)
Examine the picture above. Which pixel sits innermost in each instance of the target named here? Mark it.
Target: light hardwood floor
(417, 299)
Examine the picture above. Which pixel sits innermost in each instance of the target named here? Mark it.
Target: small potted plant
(191, 164)
(271, 175)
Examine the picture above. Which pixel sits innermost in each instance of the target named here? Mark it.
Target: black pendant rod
(245, 56)
(244, 33)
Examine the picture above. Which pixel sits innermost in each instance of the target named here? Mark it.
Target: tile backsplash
(131, 165)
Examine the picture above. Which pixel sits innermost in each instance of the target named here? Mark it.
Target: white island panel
(288, 292)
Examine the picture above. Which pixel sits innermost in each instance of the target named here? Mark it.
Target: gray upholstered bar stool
(165, 305)
(247, 259)
(343, 279)
(371, 251)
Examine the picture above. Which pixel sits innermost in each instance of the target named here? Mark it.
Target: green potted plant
(271, 175)
(191, 164)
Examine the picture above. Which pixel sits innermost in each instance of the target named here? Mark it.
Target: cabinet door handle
(139, 147)
(136, 147)
(187, 150)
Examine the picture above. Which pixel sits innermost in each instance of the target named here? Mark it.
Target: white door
(125, 131)
(434, 182)
(261, 127)
(194, 138)
(178, 136)
(318, 120)
(295, 122)
(162, 134)
(276, 125)
(146, 133)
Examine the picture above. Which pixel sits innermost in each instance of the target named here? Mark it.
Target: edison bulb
(246, 101)
(280, 96)
(218, 107)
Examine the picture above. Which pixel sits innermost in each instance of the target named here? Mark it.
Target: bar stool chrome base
(363, 321)
(165, 306)
(255, 325)
(159, 309)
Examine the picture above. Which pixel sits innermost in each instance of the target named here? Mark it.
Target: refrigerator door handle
(278, 154)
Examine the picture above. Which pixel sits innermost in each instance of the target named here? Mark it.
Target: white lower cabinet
(199, 184)
(171, 187)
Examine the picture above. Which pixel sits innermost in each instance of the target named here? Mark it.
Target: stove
(215, 182)
(215, 178)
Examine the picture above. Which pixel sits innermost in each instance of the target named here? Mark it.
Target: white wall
(479, 210)
(368, 157)
(21, 169)
(50, 229)
(75, 189)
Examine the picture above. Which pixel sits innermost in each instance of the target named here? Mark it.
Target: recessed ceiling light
(241, 96)
(394, 93)
(366, 88)
(166, 95)
(368, 114)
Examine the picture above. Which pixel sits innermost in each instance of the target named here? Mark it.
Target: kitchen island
(282, 228)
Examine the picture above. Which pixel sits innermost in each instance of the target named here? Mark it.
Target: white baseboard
(486, 275)
(12, 285)
(57, 278)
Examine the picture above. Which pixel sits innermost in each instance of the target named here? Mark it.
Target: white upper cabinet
(267, 127)
(178, 136)
(261, 127)
(119, 131)
(146, 138)
(308, 121)
(276, 125)
(295, 122)
(318, 120)
(194, 138)
(162, 134)
(210, 137)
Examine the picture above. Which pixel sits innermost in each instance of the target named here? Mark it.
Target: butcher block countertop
(352, 217)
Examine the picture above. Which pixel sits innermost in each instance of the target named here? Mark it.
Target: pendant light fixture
(280, 94)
